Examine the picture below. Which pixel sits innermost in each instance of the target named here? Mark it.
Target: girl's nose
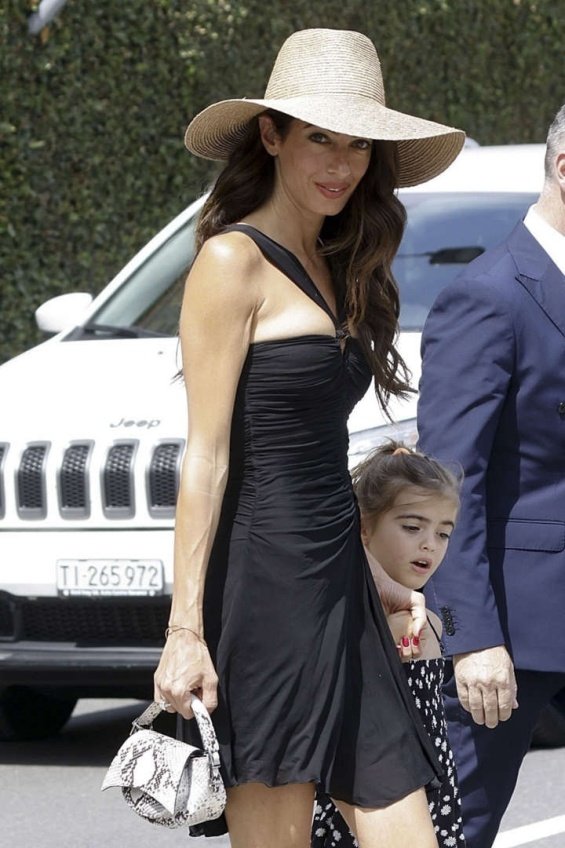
(428, 544)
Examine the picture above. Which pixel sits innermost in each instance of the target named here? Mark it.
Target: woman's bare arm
(397, 598)
(217, 320)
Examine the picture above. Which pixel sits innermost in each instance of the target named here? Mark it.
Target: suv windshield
(149, 301)
(443, 232)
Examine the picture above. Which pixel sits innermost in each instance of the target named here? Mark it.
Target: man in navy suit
(492, 398)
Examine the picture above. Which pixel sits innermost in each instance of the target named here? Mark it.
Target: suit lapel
(539, 275)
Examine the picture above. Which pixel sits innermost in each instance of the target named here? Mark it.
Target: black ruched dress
(310, 685)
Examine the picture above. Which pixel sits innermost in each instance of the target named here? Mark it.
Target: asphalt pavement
(50, 792)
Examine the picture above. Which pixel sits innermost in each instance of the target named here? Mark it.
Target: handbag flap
(154, 764)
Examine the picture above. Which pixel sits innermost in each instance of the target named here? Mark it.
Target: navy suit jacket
(492, 398)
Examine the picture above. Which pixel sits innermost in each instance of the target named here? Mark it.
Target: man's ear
(269, 135)
(560, 170)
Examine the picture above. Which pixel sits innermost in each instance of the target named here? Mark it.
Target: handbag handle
(203, 720)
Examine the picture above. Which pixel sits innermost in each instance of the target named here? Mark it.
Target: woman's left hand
(409, 646)
(397, 598)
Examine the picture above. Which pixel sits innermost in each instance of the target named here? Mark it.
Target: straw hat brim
(425, 148)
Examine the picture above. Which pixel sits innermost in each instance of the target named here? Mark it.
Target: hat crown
(326, 61)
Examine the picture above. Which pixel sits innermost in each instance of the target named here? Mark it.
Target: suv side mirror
(62, 312)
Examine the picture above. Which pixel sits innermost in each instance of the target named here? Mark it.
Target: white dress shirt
(550, 239)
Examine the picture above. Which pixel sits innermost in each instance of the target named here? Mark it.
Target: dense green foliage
(93, 110)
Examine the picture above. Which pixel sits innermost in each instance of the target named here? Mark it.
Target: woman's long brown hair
(359, 243)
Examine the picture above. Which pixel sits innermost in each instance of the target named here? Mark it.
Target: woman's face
(317, 170)
(410, 539)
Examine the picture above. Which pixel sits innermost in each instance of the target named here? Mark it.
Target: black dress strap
(434, 631)
(290, 266)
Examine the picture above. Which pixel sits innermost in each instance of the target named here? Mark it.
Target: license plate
(109, 577)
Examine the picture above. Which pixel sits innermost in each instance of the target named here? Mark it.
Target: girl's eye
(410, 527)
(362, 144)
(445, 536)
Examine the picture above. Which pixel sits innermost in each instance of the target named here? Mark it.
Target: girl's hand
(185, 667)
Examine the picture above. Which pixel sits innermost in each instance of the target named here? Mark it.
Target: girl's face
(317, 170)
(410, 539)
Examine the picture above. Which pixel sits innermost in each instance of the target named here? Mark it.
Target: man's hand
(486, 684)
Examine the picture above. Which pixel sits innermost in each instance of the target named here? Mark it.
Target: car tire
(549, 732)
(27, 714)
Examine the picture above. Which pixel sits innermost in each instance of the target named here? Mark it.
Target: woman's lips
(332, 192)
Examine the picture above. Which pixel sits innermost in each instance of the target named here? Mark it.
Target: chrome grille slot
(163, 479)
(3, 452)
(74, 496)
(30, 482)
(117, 481)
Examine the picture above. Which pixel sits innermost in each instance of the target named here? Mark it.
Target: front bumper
(86, 671)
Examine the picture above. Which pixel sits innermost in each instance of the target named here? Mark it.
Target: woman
(290, 309)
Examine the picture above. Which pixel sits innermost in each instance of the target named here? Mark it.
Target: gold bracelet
(174, 628)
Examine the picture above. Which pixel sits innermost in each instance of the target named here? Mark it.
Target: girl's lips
(421, 565)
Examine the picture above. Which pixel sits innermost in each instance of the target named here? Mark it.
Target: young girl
(409, 505)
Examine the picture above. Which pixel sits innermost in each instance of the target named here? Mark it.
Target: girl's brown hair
(359, 243)
(390, 468)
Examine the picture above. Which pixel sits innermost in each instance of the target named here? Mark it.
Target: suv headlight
(364, 441)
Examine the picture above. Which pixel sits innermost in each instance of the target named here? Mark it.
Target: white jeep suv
(92, 431)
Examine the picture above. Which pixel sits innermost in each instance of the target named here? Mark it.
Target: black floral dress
(425, 678)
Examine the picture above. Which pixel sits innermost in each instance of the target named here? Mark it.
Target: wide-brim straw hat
(332, 79)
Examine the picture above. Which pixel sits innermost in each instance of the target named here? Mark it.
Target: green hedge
(94, 109)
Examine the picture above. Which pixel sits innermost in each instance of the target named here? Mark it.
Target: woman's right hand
(185, 667)
(221, 298)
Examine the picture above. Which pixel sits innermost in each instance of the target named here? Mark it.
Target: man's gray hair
(555, 141)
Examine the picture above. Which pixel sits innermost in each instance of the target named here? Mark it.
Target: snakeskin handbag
(167, 781)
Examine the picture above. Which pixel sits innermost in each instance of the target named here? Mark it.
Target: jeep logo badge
(143, 422)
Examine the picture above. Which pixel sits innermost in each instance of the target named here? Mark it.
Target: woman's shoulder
(226, 267)
(232, 249)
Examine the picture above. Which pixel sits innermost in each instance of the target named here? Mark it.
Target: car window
(151, 298)
(443, 232)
